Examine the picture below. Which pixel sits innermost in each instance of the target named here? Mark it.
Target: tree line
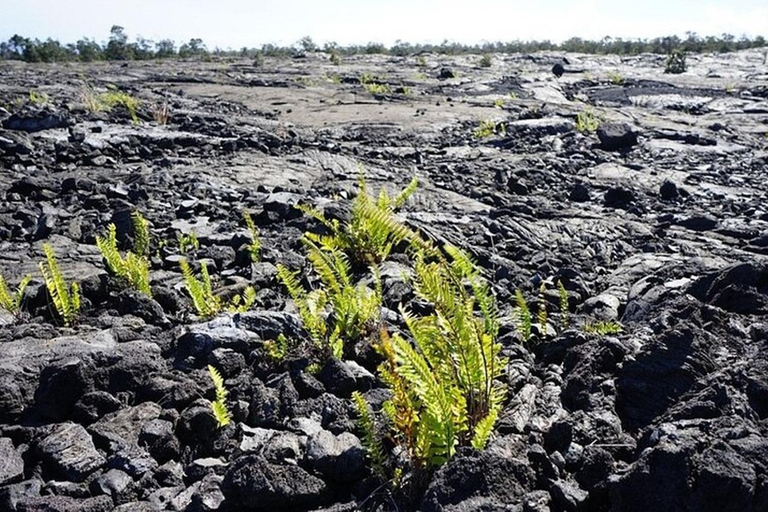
(118, 47)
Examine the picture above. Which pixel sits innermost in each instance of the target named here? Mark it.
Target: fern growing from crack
(523, 316)
(66, 299)
(206, 302)
(602, 328)
(445, 383)
(219, 405)
(11, 302)
(133, 268)
(277, 349)
(254, 247)
(188, 242)
(141, 235)
(371, 233)
(354, 308)
(370, 440)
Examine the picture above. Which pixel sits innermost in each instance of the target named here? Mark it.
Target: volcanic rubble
(657, 221)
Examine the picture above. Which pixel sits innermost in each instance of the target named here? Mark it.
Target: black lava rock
(616, 136)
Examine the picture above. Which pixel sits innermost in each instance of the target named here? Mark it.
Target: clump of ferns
(339, 312)
(370, 235)
(133, 268)
(66, 298)
(207, 303)
(12, 301)
(446, 377)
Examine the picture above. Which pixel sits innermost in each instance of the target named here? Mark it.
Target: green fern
(370, 440)
(565, 313)
(277, 349)
(602, 328)
(188, 242)
(244, 302)
(134, 268)
(66, 299)
(446, 388)
(141, 235)
(206, 302)
(523, 316)
(219, 406)
(372, 232)
(254, 248)
(355, 308)
(11, 302)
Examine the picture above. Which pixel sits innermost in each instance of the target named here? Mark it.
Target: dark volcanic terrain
(658, 221)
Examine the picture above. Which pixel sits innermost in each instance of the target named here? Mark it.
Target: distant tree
(117, 47)
(142, 49)
(89, 50)
(194, 48)
(307, 44)
(165, 49)
(17, 45)
(51, 51)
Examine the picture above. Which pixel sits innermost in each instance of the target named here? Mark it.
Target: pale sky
(238, 23)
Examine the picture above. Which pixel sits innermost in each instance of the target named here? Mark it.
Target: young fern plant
(602, 328)
(206, 302)
(66, 299)
(141, 235)
(187, 242)
(11, 302)
(277, 349)
(371, 440)
(366, 237)
(254, 247)
(522, 316)
(354, 309)
(219, 406)
(134, 267)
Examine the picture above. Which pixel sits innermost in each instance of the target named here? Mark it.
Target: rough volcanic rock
(255, 484)
(68, 452)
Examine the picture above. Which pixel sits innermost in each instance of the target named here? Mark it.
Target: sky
(238, 23)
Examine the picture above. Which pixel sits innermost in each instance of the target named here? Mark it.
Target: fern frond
(291, 282)
(404, 194)
(141, 236)
(484, 429)
(523, 315)
(603, 328)
(367, 425)
(242, 303)
(397, 232)
(108, 248)
(277, 349)
(201, 292)
(435, 397)
(254, 248)
(134, 268)
(66, 299)
(12, 302)
(219, 406)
